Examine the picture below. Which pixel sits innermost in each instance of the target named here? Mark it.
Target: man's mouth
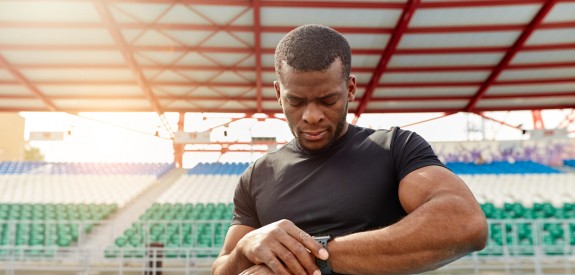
(314, 135)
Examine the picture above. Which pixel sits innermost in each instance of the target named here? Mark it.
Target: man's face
(315, 104)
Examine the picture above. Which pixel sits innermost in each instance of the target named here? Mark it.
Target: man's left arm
(444, 223)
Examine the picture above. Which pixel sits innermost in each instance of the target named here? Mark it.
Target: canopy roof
(217, 55)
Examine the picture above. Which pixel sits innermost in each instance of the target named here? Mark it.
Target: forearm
(233, 263)
(433, 235)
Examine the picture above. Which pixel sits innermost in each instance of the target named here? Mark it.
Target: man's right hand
(283, 247)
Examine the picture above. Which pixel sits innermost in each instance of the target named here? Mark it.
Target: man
(386, 201)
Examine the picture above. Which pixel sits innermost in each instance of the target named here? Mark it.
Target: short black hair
(313, 48)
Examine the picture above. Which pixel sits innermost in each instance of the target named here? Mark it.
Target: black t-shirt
(350, 187)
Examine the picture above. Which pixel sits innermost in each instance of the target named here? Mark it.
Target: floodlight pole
(537, 120)
(179, 148)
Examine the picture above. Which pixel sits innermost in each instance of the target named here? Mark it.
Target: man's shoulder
(380, 131)
(383, 137)
(285, 152)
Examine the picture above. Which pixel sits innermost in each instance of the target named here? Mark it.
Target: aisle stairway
(117, 224)
(190, 219)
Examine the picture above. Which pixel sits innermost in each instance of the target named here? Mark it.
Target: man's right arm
(230, 260)
(281, 246)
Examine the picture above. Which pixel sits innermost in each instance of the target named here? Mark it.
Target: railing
(524, 246)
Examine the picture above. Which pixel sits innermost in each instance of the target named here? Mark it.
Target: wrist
(239, 259)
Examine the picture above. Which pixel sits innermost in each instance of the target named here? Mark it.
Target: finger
(270, 260)
(312, 245)
(300, 252)
(289, 259)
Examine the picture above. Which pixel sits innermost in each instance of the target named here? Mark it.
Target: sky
(131, 137)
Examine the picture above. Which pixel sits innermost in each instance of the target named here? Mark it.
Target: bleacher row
(45, 206)
(529, 206)
(86, 168)
(45, 226)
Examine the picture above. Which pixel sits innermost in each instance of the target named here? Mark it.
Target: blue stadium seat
(501, 167)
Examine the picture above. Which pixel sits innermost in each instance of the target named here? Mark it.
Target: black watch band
(324, 266)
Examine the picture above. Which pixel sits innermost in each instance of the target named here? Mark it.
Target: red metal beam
(337, 4)
(198, 2)
(549, 47)
(541, 65)
(402, 25)
(451, 50)
(418, 98)
(271, 69)
(499, 121)
(116, 34)
(511, 53)
(536, 95)
(333, 4)
(526, 107)
(448, 50)
(410, 110)
(270, 85)
(534, 81)
(567, 120)
(25, 82)
(280, 29)
(318, 4)
(18, 96)
(189, 27)
(427, 120)
(278, 111)
(568, 94)
(478, 3)
(439, 110)
(428, 84)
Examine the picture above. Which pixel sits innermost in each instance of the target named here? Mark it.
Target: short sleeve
(411, 152)
(244, 206)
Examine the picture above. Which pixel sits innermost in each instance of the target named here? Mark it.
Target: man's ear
(351, 87)
(278, 94)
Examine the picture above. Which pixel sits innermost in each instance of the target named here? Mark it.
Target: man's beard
(334, 138)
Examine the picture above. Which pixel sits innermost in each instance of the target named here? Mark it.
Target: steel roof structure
(217, 55)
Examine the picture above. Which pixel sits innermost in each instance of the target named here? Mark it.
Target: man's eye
(295, 102)
(329, 101)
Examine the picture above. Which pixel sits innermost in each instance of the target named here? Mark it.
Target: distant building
(11, 137)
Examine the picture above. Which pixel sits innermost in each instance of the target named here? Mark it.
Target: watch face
(322, 239)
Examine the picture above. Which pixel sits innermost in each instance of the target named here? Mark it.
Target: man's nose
(313, 114)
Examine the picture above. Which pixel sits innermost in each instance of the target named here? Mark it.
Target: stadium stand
(45, 205)
(524, 213)
(190, 219)
(530, 208)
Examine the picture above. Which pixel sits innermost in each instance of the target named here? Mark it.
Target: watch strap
(324, 266)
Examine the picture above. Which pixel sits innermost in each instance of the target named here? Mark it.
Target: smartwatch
(324, 266)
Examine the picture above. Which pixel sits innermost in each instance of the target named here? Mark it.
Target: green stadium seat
(121, 241)
(111, 252)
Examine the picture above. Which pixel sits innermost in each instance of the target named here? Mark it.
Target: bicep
(234, 235)
(426, 183)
